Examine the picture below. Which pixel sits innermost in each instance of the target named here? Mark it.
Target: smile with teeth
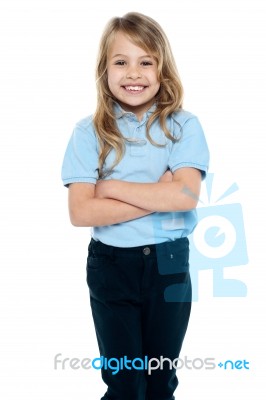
(135, 89)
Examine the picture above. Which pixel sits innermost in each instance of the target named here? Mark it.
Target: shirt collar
(119, 112)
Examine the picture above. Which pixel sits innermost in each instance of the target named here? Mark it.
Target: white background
(48, 50)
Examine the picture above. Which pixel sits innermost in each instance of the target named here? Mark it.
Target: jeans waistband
(149, 249)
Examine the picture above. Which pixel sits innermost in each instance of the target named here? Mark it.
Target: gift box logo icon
(219, 238)
(217, 242)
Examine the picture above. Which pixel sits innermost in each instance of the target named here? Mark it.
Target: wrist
(100, 189)
(106, 188)
(111, 188)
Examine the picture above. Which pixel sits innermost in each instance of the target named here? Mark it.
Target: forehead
(120, 44)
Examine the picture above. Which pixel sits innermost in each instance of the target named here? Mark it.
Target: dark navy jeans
(141, 300)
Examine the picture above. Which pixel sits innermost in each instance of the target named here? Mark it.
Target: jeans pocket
(173, 257)
(96, 275)
(95, 262)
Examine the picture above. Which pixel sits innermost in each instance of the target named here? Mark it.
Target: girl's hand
(166, 177)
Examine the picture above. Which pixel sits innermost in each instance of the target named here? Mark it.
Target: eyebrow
(123, 55)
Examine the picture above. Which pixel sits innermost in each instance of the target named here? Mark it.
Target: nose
(133, 72)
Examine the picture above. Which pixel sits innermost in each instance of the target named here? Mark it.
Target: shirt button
(146, 251)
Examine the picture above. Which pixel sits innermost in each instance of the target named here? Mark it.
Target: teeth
(136, 88)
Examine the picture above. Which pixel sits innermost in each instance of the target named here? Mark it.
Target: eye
(120, 62)
(146, 63)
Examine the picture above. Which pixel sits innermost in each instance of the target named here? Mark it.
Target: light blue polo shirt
(142, 162)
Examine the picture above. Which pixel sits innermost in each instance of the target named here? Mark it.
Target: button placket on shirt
(138, 149)
(136, 130)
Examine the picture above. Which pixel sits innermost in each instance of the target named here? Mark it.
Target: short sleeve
(80, 162)
(191, 150)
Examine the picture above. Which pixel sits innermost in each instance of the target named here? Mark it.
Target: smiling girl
(134, 171)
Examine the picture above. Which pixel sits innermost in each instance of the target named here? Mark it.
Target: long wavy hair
(147, 34)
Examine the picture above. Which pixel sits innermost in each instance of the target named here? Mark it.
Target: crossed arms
(113, 201)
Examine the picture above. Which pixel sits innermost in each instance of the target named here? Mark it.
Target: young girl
(134, 171)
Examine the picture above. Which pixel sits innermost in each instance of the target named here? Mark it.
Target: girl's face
(132, 76)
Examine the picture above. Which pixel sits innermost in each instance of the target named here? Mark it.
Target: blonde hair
(147, 34)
